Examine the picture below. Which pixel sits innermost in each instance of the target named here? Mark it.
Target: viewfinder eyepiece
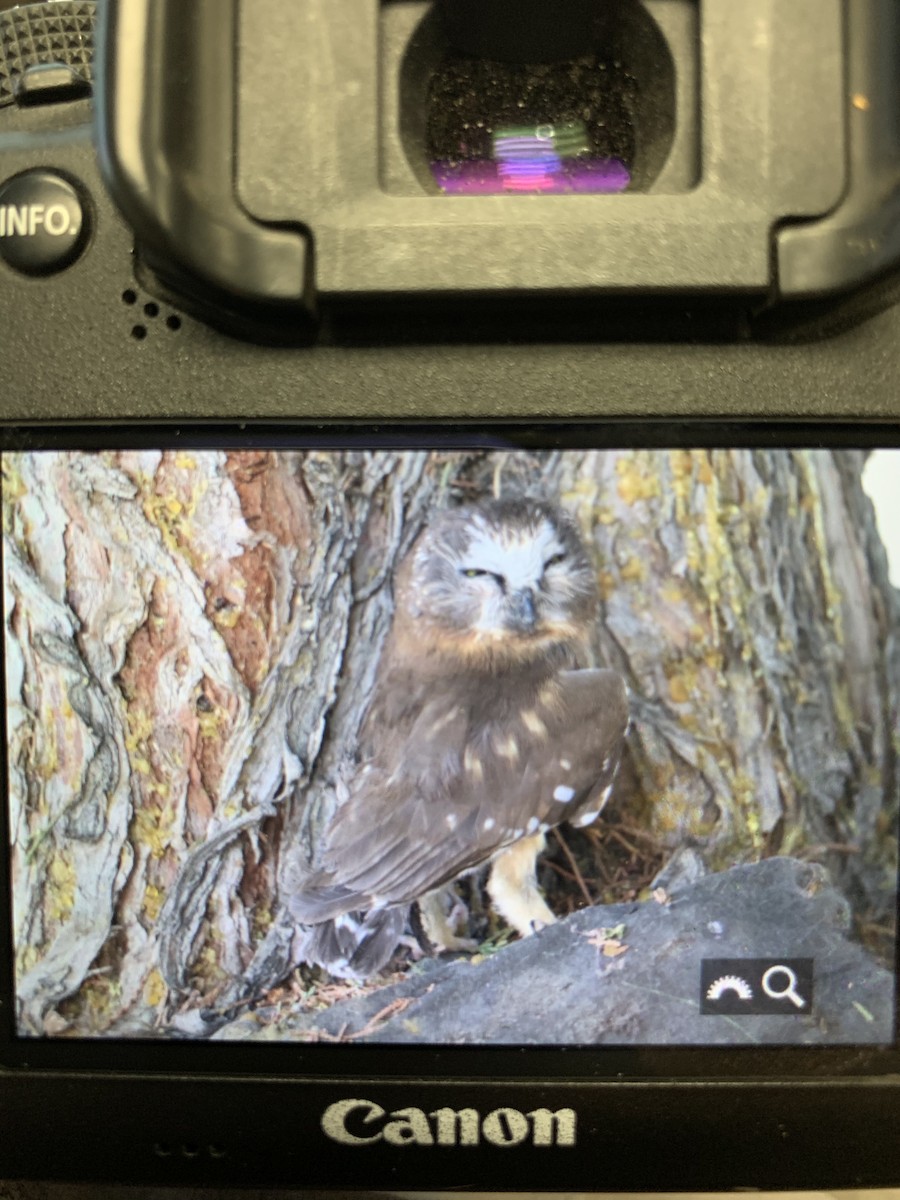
(537, 96)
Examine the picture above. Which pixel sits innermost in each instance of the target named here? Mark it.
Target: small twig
(390, 1010)
(561, 871)
(640, 835)
(598, 842)
(827, 848)
(233, 1005)
(574, 865)
(465, 485)
(623, 841)
(322, 1035)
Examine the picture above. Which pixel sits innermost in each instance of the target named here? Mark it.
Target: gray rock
(560, 987)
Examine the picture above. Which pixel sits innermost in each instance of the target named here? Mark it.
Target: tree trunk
(192, 639)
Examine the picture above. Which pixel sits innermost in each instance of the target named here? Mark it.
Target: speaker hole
(139, 332)
(129, 296)
(173, 323)
(162, 1150)
(151, 309)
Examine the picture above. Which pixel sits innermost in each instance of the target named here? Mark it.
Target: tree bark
(192, 639)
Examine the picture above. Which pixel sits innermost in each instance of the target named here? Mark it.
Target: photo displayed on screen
(453, 747)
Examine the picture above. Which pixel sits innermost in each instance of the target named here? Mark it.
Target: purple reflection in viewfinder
(594, 176)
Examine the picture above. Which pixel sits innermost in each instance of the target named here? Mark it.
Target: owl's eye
(554, 561)
(480, 573)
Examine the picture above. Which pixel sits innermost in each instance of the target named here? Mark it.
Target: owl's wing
(398, 837)
(593, 695)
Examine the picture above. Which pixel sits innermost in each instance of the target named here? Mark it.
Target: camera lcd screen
(453, 746)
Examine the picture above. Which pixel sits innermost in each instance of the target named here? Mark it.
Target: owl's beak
(522, 613)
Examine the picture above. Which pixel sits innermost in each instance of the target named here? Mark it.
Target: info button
(43, 222)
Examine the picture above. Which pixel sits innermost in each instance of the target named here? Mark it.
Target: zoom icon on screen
(756, 986)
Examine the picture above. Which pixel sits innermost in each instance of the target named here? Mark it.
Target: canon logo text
(363, 1123)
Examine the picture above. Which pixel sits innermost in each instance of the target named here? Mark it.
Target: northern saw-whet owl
(484, 731)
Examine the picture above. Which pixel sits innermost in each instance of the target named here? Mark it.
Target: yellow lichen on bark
(59, 893)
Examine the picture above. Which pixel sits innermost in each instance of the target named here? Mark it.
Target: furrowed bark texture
(747, 602)
(192, 639)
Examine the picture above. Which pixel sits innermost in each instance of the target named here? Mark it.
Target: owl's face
(503, 582)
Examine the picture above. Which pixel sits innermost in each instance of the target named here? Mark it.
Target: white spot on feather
(563, 794)
(587, 818)
(534, 825)
(451, 821)
(508, 748)
(565, 764)
(489, 824)
(533, 723)
(445, 720)
(472, 764)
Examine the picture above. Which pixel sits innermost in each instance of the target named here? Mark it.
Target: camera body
(239, 223)
(765, 216)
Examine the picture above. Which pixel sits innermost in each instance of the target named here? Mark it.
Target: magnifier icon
(788, 992)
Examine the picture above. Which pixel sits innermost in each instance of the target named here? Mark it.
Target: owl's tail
(354, 945)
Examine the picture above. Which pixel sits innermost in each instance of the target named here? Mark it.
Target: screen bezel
(484, 1062)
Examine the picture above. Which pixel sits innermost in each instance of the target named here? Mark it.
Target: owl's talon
(414, 948)
(458, 945)
(513, 889)
(436, 925)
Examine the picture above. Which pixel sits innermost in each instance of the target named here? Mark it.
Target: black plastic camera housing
(235, 191)
(240, 228)
(301, 183)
